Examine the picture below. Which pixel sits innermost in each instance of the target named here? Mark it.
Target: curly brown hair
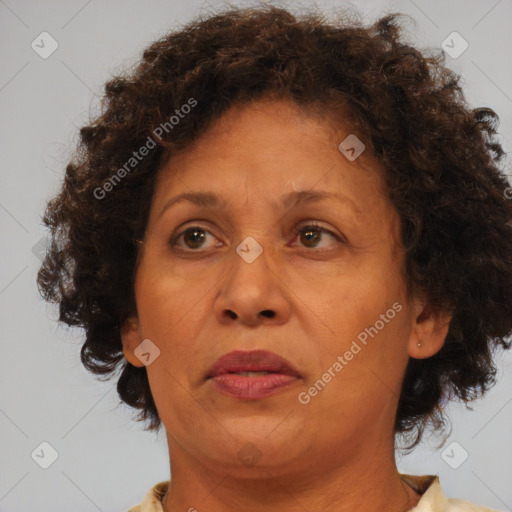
(442, 171)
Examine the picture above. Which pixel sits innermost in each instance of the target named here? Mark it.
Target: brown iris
(310, 236)
(195, 236)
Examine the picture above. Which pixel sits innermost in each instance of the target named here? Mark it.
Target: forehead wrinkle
(289, 201)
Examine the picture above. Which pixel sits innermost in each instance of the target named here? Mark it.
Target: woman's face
(290, 250)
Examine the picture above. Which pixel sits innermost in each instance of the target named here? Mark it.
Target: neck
(369, 482)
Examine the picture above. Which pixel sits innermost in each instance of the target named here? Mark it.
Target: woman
(294, 240)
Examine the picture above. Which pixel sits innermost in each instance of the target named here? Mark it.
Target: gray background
(106, 462)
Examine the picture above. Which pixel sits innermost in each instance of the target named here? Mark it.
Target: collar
(432, 500)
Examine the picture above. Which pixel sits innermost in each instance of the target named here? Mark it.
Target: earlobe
(131, 339)
(428, 332)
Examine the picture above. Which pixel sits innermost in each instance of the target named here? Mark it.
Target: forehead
(269, 148)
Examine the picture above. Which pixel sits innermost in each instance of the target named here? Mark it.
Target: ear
(131, 338)
(429, 330)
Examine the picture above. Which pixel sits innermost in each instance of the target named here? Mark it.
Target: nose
(252, 293)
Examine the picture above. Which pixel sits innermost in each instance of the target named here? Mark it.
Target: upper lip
(251, 361)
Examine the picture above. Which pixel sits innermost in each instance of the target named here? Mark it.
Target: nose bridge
(252, 291)
(251, 271)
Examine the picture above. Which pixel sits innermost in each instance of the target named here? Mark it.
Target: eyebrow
(288, 201)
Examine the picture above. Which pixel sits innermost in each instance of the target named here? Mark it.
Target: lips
(252, 375)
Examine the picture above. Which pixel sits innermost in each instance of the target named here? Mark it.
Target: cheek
(166, 301)
(358, 301)
(360, 377)
(367, 316)
(171, 314)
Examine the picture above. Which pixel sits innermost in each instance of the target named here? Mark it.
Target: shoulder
(433, 498)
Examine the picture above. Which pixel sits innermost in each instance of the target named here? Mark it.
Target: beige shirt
(432, 500)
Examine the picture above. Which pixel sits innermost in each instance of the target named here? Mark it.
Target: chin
(262, 442)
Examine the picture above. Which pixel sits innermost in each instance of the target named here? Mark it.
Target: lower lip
(252, 388)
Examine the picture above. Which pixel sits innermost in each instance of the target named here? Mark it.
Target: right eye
(192, 238)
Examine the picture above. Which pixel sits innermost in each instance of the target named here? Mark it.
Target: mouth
(252, 375)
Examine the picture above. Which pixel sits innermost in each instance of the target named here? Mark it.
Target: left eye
(312, 234)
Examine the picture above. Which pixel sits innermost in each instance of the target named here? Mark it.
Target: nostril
(231, 314)
(268, 313)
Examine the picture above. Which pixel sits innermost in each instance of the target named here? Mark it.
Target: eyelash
(296, 232)
(313, 224)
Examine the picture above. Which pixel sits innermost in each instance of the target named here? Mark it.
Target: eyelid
(316, 224)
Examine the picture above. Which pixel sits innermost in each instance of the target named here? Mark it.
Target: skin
(198, 302)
